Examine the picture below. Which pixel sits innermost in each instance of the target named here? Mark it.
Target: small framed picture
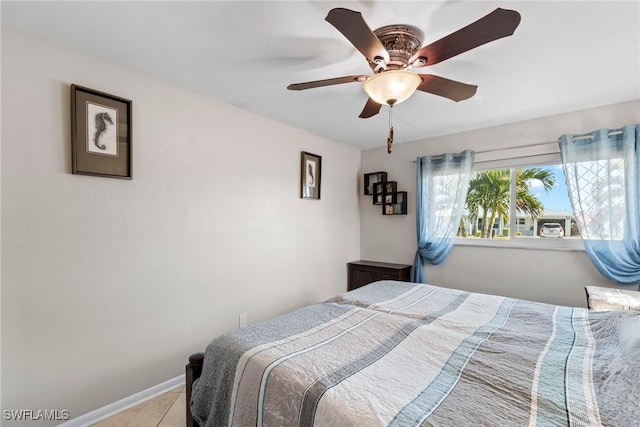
(310, 175)
(100, 134)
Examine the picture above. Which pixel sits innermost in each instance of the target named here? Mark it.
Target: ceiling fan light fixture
(392, 87)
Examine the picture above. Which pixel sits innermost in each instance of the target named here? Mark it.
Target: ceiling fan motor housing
(402, 42)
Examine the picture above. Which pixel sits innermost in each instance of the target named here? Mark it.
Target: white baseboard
(124, 404)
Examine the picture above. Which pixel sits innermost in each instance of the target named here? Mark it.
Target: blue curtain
(602, 170)
(441, 193)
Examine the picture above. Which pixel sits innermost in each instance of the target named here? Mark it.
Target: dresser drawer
(362, 273)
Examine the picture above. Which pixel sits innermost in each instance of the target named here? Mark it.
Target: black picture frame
(310, 175)
(101, 134)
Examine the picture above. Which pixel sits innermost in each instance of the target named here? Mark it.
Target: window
(522, 203)
(541, 204)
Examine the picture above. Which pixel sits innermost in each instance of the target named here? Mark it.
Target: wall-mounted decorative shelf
(396, 205)
(370, 180)
(385, 193)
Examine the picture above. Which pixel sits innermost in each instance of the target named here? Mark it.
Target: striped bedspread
(406, 354)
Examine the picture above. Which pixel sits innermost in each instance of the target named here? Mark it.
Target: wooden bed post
(193, 372)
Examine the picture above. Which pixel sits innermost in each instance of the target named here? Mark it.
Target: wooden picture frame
(310, 175)
(101, 142)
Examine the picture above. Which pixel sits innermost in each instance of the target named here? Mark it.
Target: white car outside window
(551, 229)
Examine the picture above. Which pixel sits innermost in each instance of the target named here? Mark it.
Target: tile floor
(165, 410)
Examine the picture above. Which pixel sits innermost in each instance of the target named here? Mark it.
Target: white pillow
(613, 299)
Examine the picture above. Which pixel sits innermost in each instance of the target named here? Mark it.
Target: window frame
(534, 155)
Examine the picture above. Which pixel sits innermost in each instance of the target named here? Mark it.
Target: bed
(407, 354)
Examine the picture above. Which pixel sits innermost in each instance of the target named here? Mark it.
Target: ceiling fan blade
(371, 108)
(451, 89)
(327, 82)
(496, 25)
(352, 25)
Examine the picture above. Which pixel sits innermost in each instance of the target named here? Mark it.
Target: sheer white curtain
(441, 193)
(602, 170)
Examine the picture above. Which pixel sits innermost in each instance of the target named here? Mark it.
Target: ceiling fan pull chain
(390, 137)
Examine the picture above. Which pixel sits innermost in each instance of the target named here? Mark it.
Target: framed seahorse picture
(310, 175)
(101, 142)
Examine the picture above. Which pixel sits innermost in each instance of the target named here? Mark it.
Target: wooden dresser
(360, 273)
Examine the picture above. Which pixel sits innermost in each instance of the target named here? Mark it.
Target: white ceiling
(564, 56)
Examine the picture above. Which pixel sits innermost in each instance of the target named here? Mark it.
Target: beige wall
(548, 276)
(108, 285)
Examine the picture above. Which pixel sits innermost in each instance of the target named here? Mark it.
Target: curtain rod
(535, 144)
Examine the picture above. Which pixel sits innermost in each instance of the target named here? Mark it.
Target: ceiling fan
(392, 49)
